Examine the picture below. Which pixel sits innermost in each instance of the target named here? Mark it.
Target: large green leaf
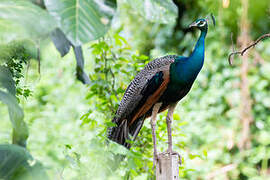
(20, 131)
(6, 80)
(81, 20)
(17, 163)
(35, 20)
(162, 11)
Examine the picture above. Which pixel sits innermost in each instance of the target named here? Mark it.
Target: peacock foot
(171, 152)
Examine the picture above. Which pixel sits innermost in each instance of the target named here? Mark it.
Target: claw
(171, 152)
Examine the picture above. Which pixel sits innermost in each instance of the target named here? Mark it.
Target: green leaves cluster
(114, 65)
(13, 56)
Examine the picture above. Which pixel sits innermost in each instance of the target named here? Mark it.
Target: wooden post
(167, 167)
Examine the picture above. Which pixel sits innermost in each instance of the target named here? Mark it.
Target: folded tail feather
(121, 133)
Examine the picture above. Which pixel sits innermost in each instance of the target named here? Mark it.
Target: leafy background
(60, 123)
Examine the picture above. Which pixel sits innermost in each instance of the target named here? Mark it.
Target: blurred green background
(221, 128)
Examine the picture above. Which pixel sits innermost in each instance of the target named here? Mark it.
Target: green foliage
(13, 55)
(112, 60)
(81, 22)
(17, 163)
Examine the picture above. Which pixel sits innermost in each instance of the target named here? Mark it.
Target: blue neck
(198, 51)
(196, 59)
(186, 69)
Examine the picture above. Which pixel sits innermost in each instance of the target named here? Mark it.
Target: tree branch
(250, 46)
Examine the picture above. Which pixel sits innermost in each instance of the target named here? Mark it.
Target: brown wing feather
(151, 100)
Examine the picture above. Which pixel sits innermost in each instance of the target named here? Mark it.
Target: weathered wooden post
(167, 167)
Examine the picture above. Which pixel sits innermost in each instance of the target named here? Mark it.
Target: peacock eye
(201, 23)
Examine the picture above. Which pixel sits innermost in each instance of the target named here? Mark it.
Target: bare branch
(230, 59)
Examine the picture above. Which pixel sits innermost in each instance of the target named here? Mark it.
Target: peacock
(159, 86)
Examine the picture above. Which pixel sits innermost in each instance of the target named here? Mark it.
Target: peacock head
(200, 24)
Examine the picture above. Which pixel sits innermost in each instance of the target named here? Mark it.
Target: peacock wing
(144, 90)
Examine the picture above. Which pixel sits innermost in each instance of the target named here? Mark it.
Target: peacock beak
(194, 24)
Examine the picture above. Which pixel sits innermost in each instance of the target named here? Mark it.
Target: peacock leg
(153, 126)
(169, 119)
